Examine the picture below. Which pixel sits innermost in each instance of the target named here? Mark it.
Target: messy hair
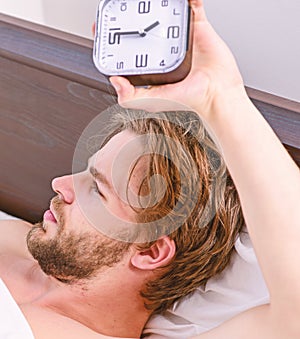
(198, 208)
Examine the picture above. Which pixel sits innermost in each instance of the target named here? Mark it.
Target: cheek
(87, 211)
(109, 217)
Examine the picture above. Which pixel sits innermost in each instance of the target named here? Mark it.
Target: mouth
(48, 217)
(53, 213)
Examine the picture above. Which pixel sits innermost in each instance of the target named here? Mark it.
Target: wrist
(226, 103)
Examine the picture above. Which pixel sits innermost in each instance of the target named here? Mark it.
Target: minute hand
(151, 26)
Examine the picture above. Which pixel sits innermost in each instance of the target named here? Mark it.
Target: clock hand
(128, 33)
(147, 29)
(151, 26)
(142, 33)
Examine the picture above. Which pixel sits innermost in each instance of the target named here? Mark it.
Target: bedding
(239, 287)
(13, 323)
(5, 216)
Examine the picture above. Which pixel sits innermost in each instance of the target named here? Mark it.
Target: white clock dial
(136, 37)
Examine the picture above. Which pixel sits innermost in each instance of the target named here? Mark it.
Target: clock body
(147, 41)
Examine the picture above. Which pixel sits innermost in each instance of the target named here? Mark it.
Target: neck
(113, 308)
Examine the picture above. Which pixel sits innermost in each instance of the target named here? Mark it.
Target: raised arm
(267, 179)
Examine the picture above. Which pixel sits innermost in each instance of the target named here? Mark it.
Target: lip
(53, 212)
(49, 216)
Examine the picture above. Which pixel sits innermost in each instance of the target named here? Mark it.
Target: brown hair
(199, 209)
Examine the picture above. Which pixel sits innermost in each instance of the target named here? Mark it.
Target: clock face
(141, 37)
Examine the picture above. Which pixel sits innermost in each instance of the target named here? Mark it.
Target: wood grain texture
(42, 117)
(49, 92)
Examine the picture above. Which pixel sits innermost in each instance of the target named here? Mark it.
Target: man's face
(68, 244)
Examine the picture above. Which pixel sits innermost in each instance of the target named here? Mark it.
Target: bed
(49, 91)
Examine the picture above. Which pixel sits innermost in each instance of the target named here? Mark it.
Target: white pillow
(239, 287)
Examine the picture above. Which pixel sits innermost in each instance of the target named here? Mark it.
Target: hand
(214, 72)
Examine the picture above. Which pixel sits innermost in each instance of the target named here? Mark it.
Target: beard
(70, 256)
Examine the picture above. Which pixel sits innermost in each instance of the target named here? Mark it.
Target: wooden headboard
(49, 92)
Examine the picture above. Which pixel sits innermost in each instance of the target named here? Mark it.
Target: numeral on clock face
(141, 60)
(114, 36)
(174, 50)
(120, 65)
(173, 32)
(144, 7)
(123, 6)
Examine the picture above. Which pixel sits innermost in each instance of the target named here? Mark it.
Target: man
(114, 247)
(266, 178)
(116, 296)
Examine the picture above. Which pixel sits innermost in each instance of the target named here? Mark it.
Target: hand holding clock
(214, 72)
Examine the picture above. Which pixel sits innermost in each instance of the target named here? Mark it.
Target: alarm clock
(148, 41)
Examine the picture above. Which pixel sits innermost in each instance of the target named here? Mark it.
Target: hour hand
(128, 33)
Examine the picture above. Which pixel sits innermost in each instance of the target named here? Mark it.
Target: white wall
(263, 34)
(73, 16)
(265, 38)
(31, 10)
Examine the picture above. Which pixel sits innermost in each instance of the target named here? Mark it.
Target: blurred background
(263, 34)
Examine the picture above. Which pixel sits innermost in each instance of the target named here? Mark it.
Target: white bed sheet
(4, 216)
(13, 323)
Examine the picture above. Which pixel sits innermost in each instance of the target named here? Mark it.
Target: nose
(63, 186)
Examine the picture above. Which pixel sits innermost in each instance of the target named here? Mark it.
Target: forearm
(268, 183)
(256, 323)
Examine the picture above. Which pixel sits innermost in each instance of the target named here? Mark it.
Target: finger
(152, 99)
(94, 29)
(125, 90)
(130, 96)
(198, 10)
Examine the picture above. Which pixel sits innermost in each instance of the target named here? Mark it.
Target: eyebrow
(100, 177)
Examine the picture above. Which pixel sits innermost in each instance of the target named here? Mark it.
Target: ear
(158, 255)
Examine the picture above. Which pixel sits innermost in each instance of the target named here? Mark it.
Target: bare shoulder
(13, 237)
(46, 324)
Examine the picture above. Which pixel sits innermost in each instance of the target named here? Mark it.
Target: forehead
(117, 160)
(122, 148)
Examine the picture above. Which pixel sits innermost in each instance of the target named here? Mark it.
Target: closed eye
(96, 189)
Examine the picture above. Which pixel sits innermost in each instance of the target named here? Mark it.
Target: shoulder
(15, 223)
(46, 324)
(13, 237)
